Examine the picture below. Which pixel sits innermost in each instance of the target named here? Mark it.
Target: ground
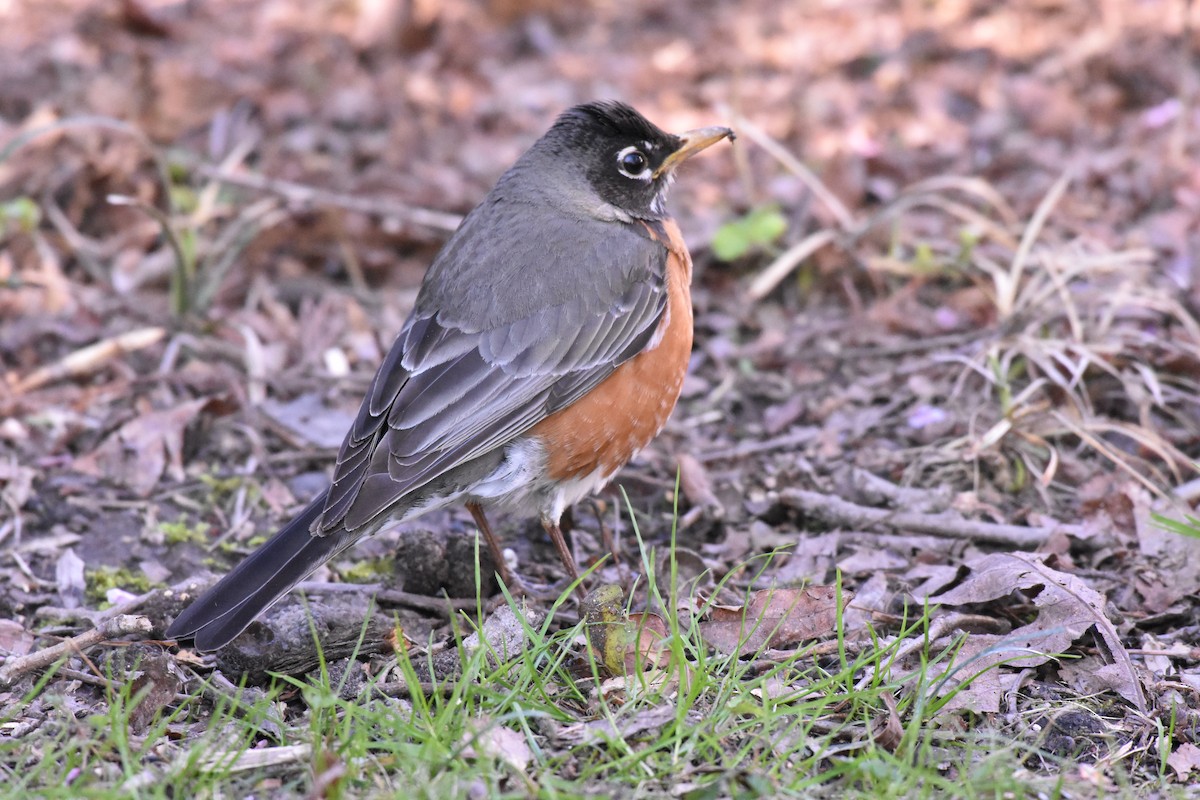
(945, 377)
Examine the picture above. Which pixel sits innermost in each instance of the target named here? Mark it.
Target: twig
(300, 194)
(85, 677)
(837, 511)
(872, 488)
(761, 138)
(440, 605)
(897, 541)
(256, 759)
(789, 440)
(404, 689)
(90, 358)
(94, 617)
(950, 341)
(447, 606)
(766, 281)
(122, 625)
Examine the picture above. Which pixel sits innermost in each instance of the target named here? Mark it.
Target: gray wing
(452, 389)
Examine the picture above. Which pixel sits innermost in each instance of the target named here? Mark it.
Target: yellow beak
(693, 142)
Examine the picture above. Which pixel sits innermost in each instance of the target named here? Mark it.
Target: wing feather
(450, 392)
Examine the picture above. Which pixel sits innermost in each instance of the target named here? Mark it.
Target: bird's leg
(564, 552)
(513, 584)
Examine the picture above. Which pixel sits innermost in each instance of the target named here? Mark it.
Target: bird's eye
(632, 163)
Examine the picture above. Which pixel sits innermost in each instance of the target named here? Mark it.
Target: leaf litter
(954, 357)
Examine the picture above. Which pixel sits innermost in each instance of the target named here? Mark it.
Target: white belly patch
(520, 484)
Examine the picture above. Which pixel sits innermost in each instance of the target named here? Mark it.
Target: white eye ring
(632, 163)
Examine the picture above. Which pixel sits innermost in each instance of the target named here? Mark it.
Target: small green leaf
(730, 243)
(757, 229)
(765, 225)
(20, 214)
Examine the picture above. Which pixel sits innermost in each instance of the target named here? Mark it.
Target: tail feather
(287, 558)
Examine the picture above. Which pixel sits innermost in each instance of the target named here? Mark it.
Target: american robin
(547, 346)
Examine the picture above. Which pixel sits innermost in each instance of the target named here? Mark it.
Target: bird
(547, 345)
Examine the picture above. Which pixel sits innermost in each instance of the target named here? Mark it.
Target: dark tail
(254, 585)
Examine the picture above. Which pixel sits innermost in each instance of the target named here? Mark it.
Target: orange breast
(605, 428)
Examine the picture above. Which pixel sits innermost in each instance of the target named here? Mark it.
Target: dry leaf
(1067, 609)
(626, 726)
(140, 451)
(773, 618)
(503, 744)
(14, 639)
(1176, 559)
(648, 649)
(156, 681)
(69, 578)
(973, 661)
(886, 729)
(691, 572)
(697, 484)
(1185, 760)
(309, 420)
(90, 358)
(16, 483)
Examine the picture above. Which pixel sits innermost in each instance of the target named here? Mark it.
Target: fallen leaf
(69, 578)
(155, 681)
(690, 572)
(871, 561)
(309, 420)
(500, 743)
(1184, 760)
(1175, 558)
(1067, 609)
(138, 452)
(16, 483)
(972, 684)
(772, 618)
(14, 639)
(90, 358)
(624, 727)
(648, 649)
(1090, 675)
(886, 729)
(697, 484)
